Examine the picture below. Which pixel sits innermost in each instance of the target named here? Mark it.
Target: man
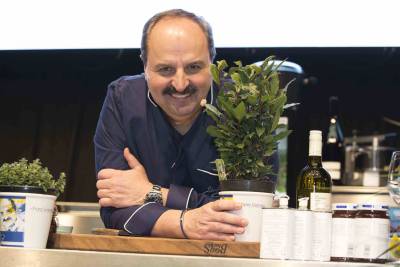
(153, 155)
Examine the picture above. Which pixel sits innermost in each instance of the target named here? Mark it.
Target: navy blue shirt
(182, 163)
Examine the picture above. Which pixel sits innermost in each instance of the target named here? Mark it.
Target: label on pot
(226, 197)
(250, 203)
(12, 218)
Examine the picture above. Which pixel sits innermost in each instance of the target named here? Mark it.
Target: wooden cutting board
(108, 240)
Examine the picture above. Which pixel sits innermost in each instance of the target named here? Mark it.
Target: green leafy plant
(249, 105)
(23, 173)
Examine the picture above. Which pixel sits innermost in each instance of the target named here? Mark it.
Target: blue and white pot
(25, 216)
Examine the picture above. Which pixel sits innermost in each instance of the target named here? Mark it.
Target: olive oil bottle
(314, 181)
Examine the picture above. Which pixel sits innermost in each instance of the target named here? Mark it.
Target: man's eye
(194, 68)
(165, 70)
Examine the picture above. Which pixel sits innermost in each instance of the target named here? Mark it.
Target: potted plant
(28, 192)
(247, 112)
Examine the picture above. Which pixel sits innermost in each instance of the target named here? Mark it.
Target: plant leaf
(219, 164)
(236, 78)
(274, 83)
(227, 106)
(275, 122)
(213, 109)
(221, 65)
(281, 135)
(238, 63)
(252, 99)
(215, 74)
(214, 132)
(212, 115)
(260, 131)
(240, 111)
(260, 163)
(278, 103)
(241, 145)
(268, 64)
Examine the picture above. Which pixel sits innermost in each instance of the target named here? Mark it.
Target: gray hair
(176, 13)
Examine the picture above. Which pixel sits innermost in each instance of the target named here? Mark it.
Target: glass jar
(372, 228)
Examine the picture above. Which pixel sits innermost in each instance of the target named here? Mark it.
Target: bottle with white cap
(314, 181)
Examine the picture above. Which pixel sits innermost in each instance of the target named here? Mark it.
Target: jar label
(372, 237)
(342, 237)
(320, 201)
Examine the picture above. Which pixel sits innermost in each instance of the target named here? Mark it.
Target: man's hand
(213, 222)
(121, 189)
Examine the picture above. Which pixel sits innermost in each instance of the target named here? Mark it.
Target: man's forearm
(212, 221)
(168, 225)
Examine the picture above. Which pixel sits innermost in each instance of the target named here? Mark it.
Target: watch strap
(154, 195)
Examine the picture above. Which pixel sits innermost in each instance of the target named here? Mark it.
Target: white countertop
(21, 257)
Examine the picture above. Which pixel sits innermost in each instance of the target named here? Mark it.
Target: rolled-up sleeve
(136, 220)
(181, 197)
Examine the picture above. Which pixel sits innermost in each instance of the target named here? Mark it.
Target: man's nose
(180, 81)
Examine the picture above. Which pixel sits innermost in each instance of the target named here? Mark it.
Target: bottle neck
(315, 152)
(315, 161)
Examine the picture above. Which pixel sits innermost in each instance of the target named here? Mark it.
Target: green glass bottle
(314, 181)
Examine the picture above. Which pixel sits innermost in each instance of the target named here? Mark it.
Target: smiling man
(177, 69)
(153, 155)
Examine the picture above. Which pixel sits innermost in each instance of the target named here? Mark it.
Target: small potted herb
(28, 192)
(249, 104)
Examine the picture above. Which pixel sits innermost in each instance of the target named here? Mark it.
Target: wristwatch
(154, 195)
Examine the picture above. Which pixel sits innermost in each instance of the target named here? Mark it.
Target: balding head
(176, 13)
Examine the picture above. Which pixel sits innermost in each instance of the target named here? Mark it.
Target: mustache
(169, 90)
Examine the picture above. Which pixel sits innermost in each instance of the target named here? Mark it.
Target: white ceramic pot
(25, 219)
(253, 203)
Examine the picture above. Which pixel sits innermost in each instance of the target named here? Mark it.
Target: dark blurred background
(50, 101)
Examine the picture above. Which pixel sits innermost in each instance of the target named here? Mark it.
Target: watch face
(154, 195)
(156, 187)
